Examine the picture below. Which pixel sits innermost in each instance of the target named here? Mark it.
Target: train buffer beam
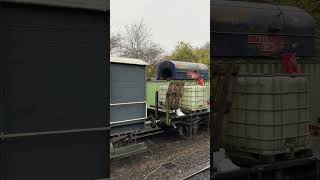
(127, 151)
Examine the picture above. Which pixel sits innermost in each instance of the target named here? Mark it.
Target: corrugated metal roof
(98, 5)
(123, 60)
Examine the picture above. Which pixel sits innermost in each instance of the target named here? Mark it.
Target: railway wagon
(194, 102)
(135, 111)
(128, 111)
(128, 108)
(175, 71)
(240, 36)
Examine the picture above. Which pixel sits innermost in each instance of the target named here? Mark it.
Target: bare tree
(137, 43)
(115, 43)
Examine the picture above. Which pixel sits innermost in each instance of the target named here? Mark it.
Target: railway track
(195, 174)
(167, 156)
(171, 142)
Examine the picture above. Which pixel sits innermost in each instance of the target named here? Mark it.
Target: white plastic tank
(194, 98)
(269, 115)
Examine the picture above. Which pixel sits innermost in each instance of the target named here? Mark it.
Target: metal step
(127, 151)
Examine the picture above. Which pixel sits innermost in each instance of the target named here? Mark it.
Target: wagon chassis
(126, 144)
(186, 125)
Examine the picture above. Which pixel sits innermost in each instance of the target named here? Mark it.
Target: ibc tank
(245, 29)
(194, 97)
(181, 70)
(269, 114)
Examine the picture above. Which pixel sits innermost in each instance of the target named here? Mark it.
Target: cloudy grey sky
(170, 20)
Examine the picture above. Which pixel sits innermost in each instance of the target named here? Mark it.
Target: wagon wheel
(153, 121)
(183, 131)
(195, 128)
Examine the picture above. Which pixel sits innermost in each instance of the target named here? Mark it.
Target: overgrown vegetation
(186, 52)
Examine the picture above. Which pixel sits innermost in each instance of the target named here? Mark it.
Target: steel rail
(194, 174)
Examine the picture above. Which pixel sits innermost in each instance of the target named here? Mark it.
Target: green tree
(183, 52)
(203, 54)
(186, 52)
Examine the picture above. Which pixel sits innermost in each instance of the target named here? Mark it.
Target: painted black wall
(54, 76)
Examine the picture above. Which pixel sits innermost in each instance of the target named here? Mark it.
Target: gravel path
(167, 158)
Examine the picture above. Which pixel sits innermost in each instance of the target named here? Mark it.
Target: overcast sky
(170, 20)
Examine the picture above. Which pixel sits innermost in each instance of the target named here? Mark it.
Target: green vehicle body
(262, 66)
(154, 86)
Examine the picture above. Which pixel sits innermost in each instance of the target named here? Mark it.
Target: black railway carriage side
(54, 83)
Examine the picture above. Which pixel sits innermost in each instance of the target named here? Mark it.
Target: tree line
(136, 42)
